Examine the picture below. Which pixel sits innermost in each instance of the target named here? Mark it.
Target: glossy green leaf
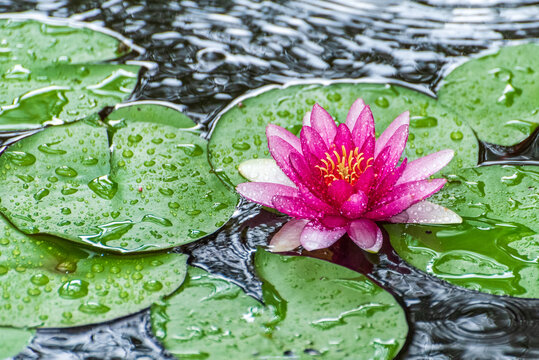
(496, 248)
(53, 40)
(48, 283)
(54, 73)
(13, 341)
(240, 132)
(497, 94)
(312, 307)
(140, 185)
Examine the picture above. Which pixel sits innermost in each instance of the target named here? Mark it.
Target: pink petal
(314, 202)
(396, 144)
(307, 119)
(402, 119)
(312, 144)
(363, 128)
(366, 234)
(293, 206)
(333, 221)
(402, 197)
(343, 138)
(385, 183)
(353, 113)
(425, 212)
(368, 147)
(276, 130)
(323, 123)
(287, 238)
(426, 166)
(365, 181)
(315, 236)
(308, 177)
(263, 193)
(280, 151)
(339, 191)
(355, 205)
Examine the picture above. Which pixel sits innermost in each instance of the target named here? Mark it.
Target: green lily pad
(496, 248)
(239, 134)
(312, 307)
(53, 73)
(47, 283)
(139, 185)
(13, 341)
(497, 94)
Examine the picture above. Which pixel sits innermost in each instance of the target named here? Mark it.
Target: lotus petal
(426, 212)
(264, 170)
(307, 119)
(381, 142)
(363, 128)
(315, 236)
(343, 138)
(353, 113)
(355, 206)
(312, 144)
(280, 150)
(339, 191)
(287, 238)
(366, 234)
(293, 206)
(276, 130)
(262, 193)
(404, 196)
(426, 166)
(323, 123)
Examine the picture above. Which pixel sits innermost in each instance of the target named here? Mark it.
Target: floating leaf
(140, 185)
(497, 94)
(312, 308)
(48, 76)
(13, 341)
(53, 284)
(496, 249)
(239, 134)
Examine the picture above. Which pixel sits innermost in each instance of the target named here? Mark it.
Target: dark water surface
(210, 52)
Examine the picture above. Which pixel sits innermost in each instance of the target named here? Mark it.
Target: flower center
(346, 166)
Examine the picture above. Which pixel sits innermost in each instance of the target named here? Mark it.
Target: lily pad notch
(70, 72)
(154, 190)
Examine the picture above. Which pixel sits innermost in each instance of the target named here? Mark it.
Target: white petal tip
(425, 212)
(287, 239)
(307, 119)
(263, 170)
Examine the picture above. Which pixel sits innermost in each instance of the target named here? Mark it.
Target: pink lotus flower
(339, 179)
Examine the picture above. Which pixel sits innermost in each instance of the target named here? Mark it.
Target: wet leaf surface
(140, 185)
(48, 283)
(496, 249)
(239, 134)
(54, 73)
(313, 308)
(497, 93)
(12, 341)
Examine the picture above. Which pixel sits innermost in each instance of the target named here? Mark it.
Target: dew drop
(74, 289)
(39, 279)
(104, 187)
(66, 171)
(20, 158)
(152, 285)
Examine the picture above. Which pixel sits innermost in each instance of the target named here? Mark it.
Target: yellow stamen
(346, 166)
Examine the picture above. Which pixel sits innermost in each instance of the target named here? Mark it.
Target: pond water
(207, 53)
